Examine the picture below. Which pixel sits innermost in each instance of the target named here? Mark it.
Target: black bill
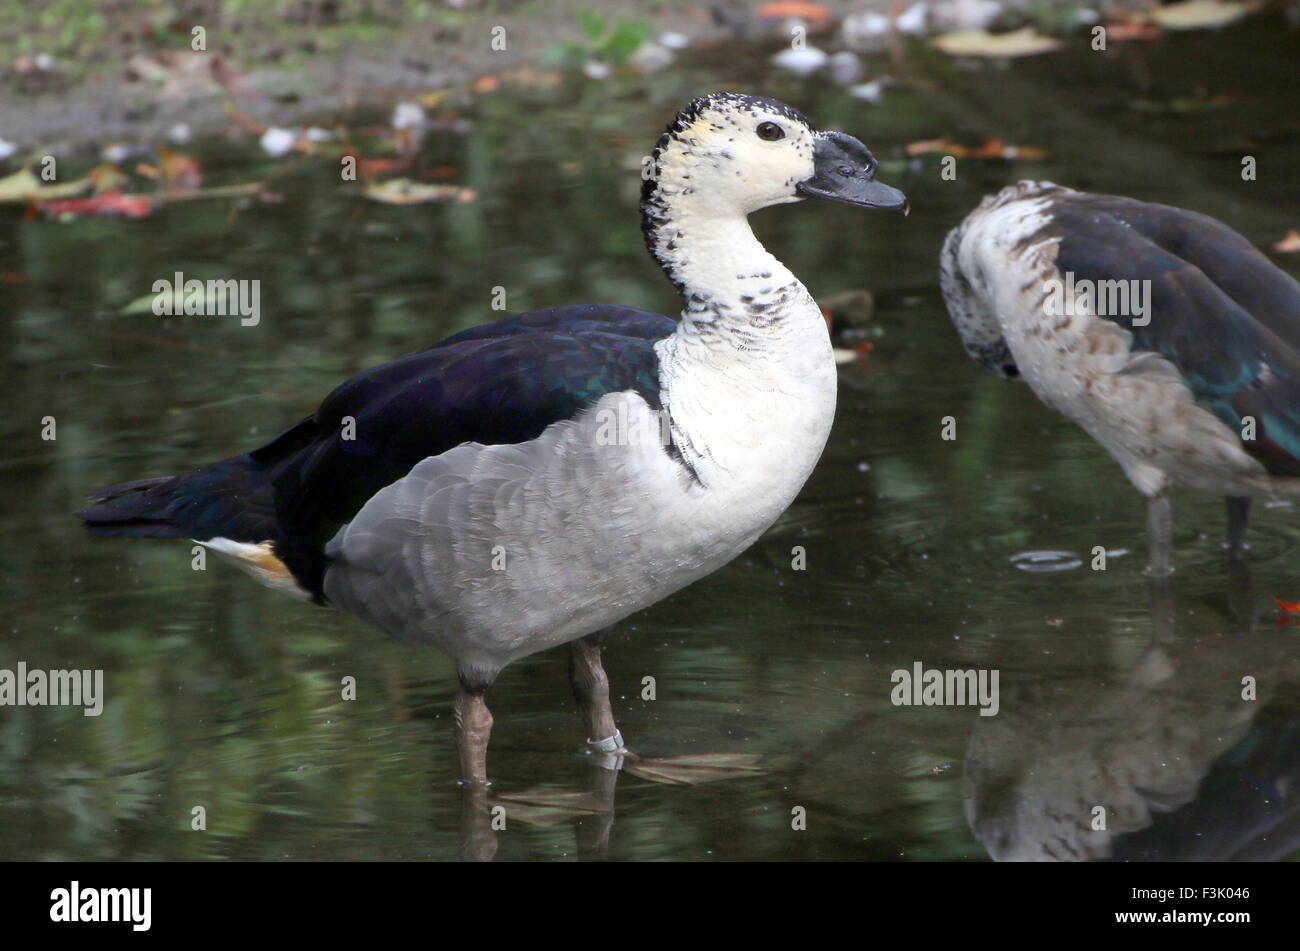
(845, 171)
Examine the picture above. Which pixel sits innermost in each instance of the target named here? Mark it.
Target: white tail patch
(261, 562)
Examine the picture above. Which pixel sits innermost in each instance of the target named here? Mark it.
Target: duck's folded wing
(499, 383)
(1219, 310)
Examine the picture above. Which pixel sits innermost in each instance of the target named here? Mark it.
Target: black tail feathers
(136, 509)
(227, 499)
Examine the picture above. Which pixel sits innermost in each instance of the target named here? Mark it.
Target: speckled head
(732, 153)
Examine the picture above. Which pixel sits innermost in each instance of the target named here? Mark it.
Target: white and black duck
(1195, 383)
(529, 482)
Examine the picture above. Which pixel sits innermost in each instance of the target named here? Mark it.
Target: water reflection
(1177, 759)
(484, 813)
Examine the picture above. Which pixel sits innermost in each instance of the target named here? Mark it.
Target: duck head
(735, 154)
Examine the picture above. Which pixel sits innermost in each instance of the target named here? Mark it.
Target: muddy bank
(127, 72)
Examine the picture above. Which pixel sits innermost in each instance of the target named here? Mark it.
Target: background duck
(1194, 381)
(529, 482)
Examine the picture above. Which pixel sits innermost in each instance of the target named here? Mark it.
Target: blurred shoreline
(126, 71)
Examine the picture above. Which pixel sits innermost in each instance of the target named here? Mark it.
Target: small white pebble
(276, 142)
(802, 62)
(912, 20)
(868, 92)
(407, 115)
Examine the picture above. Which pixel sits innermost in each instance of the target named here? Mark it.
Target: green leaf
(593, 24)
(625, 40)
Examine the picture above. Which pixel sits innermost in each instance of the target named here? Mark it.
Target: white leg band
(608, 745)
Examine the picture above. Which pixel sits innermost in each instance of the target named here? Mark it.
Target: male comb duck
(528, 483)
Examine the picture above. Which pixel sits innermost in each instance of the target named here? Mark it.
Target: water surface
(224, 695)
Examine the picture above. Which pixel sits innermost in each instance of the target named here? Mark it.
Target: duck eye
(770, 131)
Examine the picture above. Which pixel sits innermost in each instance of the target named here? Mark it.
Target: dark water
(226, 696)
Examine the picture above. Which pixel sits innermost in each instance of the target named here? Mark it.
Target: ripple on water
(1044, 561)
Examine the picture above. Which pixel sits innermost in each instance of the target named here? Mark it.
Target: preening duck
(527, 483)
(1162, 332)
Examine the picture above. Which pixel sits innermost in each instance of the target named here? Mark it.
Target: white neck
(728, 281)
(750, 362)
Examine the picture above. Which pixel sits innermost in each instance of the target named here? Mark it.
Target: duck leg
(1238, 516)
(1160, 535)
(591, 690)
(473, 729)
(547, 806)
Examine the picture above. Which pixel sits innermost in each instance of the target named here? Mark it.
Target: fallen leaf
(533, 78)
(248, 189)
(1023, 42)
(107, 177)
(179, 172)
(373, 168)
(927, 146)
(1289, 607)
(1290, 244)
(1198, 14)
(404, 191)
(174, 171)
(1126, 32)
(110, 204)
(177, 74)
(989, 149)
(23, 185)
(997, 149)
(794, 9)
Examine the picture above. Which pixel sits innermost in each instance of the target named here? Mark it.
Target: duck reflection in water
(1172, 762)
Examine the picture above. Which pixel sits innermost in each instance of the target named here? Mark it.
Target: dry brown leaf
(994, 149)
(1026, 41)
(1198, 14)
(794, 9)
(1126, 32)
(404, 191)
